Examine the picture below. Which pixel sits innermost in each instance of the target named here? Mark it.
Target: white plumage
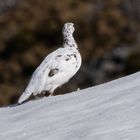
(57, 68)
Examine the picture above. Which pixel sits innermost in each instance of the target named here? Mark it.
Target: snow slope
(109, 111)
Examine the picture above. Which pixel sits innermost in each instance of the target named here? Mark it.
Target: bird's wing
(39, 77)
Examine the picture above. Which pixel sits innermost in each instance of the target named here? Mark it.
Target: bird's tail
(24, 97)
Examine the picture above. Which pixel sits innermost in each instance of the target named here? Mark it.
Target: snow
(110, 111)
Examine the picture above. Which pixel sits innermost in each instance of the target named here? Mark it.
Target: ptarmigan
(57, 68)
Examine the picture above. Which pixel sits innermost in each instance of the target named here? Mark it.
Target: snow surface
(109, 111)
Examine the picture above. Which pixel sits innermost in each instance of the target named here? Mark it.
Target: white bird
(57, 68)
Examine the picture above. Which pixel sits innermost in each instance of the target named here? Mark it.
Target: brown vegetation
(32, 29)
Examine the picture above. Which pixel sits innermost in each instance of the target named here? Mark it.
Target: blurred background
(107, 33)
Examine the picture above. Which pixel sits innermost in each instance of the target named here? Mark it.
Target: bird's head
(68, 29)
